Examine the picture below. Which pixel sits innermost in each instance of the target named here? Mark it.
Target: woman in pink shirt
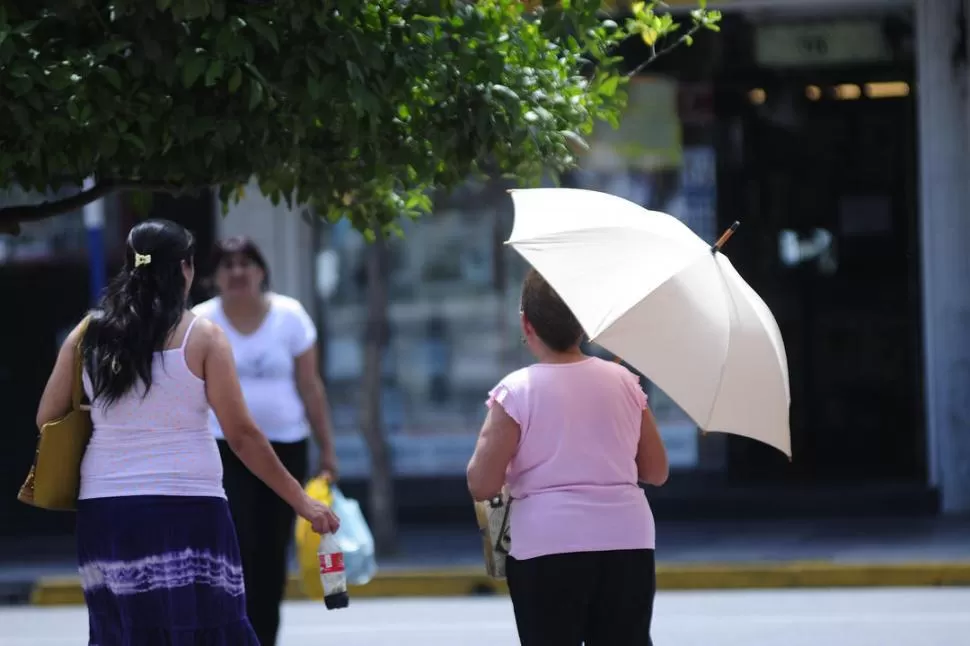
(571, 437)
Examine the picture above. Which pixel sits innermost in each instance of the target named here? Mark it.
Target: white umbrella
(649, 290)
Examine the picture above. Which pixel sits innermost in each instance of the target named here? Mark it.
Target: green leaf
(195, 9)
(192, 70)
(313, 65)
(20, 85)
(72, 109)
(255, 94)
(264, 30)
(25, 27)
(111, 75)
(163, 5)
(314, 89)
(610, 85)
(235, 79)
(113, 47)
(59, 78)
(135, 141)
(214, 72)
(506, 92)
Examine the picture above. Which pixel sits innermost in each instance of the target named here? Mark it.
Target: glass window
(61, 238)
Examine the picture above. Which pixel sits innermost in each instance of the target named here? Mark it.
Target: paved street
(857, 540)
(884, 617)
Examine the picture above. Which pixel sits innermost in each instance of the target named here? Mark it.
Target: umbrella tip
(725, 237)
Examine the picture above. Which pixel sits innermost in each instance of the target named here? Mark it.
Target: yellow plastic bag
(307, 541)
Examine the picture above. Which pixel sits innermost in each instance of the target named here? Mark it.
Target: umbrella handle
(725, 237)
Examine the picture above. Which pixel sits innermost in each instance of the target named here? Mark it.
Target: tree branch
(12, 216)
(654, 54)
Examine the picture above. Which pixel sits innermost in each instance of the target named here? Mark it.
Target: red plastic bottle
(333, 578)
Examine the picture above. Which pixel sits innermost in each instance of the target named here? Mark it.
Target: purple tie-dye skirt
(162, 571)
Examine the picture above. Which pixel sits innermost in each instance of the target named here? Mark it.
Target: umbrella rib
(720, 380)
(547, 236)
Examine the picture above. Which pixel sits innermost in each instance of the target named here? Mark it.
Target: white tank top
(158, 444)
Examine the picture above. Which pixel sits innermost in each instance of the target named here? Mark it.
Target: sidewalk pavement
(447, 560)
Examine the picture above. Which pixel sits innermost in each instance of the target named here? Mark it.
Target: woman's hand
(321, 517)
(328, 465)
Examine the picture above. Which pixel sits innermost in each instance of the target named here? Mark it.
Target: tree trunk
(382, 507)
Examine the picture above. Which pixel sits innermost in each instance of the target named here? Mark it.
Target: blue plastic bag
(355, 539)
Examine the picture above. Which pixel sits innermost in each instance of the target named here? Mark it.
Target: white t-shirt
(265, 361)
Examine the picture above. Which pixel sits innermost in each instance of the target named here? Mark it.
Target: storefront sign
(821, 43)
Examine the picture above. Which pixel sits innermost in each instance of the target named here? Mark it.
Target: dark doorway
(45, 303)
(820, 168)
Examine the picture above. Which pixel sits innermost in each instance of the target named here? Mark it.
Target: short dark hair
(243, 246)
(552, 319)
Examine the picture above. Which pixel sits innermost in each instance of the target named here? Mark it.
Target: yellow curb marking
(471, 581)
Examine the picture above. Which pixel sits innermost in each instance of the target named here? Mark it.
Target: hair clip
(142, 259)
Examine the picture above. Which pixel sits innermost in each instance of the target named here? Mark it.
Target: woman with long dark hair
(157, 550)
(273, 340)
(571, 436)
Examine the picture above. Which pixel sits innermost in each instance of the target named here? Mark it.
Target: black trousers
(591, 598)
(264, 525)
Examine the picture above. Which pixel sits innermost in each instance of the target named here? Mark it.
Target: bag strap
(504, 528)
(77, 388)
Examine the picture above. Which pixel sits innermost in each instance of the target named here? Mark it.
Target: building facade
(836, 132)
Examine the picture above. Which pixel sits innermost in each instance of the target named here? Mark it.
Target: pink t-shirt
(574, 475)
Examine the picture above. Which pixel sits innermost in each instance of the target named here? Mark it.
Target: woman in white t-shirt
(274, 345)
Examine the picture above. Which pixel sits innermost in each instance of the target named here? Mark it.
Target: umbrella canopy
(649, 290)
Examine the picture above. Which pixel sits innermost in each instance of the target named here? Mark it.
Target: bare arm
(244, 437)
(314, 396)
(652, 465)
(55, 402)
(497, 443)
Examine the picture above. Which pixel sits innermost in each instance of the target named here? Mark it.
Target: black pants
(592, 598)
(264, 525)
